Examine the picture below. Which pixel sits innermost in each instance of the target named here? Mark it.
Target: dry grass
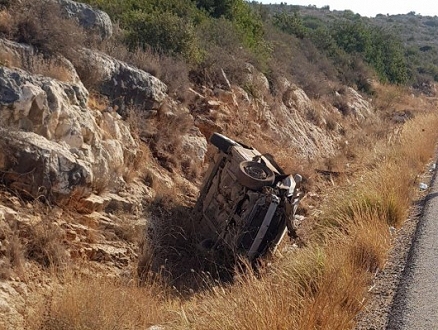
(14, 260)
(389, 96)
(324, 286)
(174, 72)
(102, 303)
(305, 290)
(49, 67)
(316, 287)
(97, 102)
(38, 64)
(6, 23)
(7, 59)
(163, 135)
(41, 24)
(45, 244)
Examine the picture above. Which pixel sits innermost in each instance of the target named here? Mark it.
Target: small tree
(291, 24)
(164, 32)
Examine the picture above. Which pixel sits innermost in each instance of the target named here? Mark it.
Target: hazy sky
(371, 7)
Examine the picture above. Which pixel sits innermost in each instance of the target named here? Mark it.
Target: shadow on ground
(170, 252)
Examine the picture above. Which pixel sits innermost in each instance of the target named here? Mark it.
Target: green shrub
(382, 50)
(164, 32)
(216, 8)
(291, 24)
(223, 51)
(168, 26)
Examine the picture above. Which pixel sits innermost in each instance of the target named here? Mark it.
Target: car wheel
(222, 142)
(254, 175)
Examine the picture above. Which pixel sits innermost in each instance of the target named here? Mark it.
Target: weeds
(7, 59)
(40, 24)
(49, 67)
(45, 245)
(102, 303)
(14, 259)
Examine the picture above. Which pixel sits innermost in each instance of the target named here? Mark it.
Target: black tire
(254, 175)
(222, 142)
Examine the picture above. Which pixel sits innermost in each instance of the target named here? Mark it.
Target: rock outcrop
(68, 144)
(122, 83)
(88, 17)
(35, 166)
(297, 122)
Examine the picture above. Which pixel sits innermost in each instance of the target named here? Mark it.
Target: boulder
(88, 17)
(43, 105)
(256, 80)
(38, 167)
(360, 107)
(194, 145)
(122, 82)
(60, 136)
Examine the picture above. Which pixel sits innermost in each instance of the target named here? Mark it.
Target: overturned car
(247, 203)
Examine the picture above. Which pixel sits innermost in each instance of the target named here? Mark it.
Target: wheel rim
(256, 172)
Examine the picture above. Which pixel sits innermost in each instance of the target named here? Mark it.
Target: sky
(371, 8)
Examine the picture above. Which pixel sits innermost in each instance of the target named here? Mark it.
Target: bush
(5, 3)
(45, 245)
(291, 24)
(223, 51)
(40, 24)
(164, 32)
(294, 59)
(249, 25)
(380, 49)
(180, 28)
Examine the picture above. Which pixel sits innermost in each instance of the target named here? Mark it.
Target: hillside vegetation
(346, 43)
(207, 36)
(344, 100)
(413, 34)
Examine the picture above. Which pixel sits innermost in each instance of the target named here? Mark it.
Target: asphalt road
(416, 302)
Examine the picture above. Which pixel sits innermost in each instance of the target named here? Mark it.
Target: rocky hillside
(84, 171)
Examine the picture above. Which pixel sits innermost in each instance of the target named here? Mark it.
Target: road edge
(380, 308)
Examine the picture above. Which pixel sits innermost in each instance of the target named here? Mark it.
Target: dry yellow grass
(101, 303)
(389, 96)
(5, 22)
(324, 286)
(97, 102)
(50, 67)
(7, 59)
